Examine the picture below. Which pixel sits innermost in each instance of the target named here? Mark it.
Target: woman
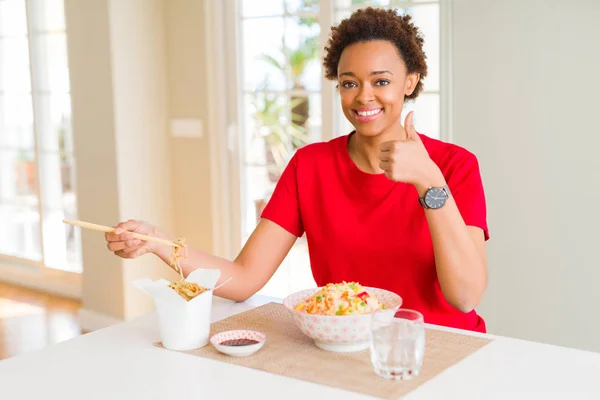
(383, 205)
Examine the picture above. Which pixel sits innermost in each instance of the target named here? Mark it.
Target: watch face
(435, 198)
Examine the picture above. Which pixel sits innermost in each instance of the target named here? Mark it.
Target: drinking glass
(397, 343)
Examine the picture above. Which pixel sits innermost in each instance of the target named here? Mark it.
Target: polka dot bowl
(348, 333)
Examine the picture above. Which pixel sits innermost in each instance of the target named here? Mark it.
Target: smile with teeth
(369, 113)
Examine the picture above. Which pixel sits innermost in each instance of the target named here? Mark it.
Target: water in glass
(397, 343)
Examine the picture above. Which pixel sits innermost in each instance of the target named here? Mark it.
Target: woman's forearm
(237, 289)
(258, 260)
(460, 263)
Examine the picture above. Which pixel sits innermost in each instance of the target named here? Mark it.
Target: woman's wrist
(161, 250)
(433, 177)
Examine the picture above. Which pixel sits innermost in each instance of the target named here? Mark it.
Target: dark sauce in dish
(238, 342)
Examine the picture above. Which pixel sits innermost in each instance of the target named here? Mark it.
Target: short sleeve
(466, 186)
(283, 207)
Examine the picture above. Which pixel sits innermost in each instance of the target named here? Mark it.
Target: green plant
(296, 61)
(283, 126)
(280, 131)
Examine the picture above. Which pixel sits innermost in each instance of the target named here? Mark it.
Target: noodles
(176, 255)
(187, 290)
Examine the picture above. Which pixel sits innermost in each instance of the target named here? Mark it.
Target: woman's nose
(365, 95)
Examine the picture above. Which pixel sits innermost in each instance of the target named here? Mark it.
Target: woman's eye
(382, 82)
(348, 84)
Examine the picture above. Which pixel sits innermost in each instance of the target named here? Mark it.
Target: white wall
(94, 140)
(118, 74)
(137, 29)
(189, 98)
(526, 84)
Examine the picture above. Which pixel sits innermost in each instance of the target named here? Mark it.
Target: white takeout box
(184, 325)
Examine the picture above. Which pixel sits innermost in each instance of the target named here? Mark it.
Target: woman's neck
(364, 150)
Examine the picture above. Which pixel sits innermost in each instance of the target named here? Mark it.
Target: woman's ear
(411, 83)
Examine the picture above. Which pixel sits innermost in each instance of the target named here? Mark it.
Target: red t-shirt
(366, 228)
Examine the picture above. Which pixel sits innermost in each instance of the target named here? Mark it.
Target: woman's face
(372, 81)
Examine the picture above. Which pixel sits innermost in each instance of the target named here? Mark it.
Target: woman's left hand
(408, 161)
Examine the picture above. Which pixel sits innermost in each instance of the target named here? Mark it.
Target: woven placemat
(290, 353)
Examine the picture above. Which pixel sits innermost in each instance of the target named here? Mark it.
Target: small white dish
(233, 342)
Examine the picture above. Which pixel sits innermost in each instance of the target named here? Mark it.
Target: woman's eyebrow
(372, 73)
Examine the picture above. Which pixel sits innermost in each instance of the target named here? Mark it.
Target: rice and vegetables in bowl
(341, 299)
(337, 316)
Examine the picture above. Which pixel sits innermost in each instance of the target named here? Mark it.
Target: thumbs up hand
(408, 161)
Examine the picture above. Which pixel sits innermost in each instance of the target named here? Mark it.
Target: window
(36, 148)
(285, 103)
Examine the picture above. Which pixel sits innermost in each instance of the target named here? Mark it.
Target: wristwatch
(435, 197)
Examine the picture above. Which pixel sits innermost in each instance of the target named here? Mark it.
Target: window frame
(26, 271)
(223, 26)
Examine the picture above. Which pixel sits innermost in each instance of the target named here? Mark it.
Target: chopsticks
(103, 228)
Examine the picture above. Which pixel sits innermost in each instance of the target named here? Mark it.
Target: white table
(120, 362)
